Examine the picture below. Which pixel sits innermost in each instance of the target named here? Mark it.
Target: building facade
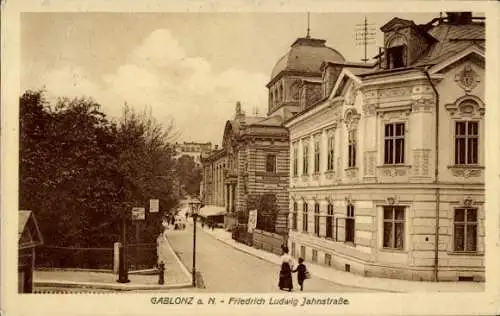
(192, 149)
(387, 165)
(253, 161)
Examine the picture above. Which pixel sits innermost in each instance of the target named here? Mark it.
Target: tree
(190, 175)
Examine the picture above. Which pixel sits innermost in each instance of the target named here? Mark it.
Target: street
(225, 269)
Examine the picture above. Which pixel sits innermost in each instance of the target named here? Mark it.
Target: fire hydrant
(161, 273)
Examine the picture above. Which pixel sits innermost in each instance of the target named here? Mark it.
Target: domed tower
(302, 62)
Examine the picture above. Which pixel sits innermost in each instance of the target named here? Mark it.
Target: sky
(189, 68)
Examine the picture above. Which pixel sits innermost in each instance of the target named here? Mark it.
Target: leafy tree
(190, 175)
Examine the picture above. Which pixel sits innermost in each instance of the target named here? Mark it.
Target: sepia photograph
(304, 157)
(176, 159)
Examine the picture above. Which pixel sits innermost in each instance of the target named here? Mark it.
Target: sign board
(252, 220)
(138, 213)
(154, 206)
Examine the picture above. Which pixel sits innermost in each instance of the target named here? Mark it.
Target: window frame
(351, 218)
(466, 223)
(393, 140)
(330, 151)
(329, 217)
(317, 210)
(394, 222)
(305, 159)
(466, 138)
(274, 163)
(390, 54)
(352, 148)
(317, 154)
(295, 211)
(305, 218)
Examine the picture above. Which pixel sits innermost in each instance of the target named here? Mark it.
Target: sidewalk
(176, 276)
(349, 279)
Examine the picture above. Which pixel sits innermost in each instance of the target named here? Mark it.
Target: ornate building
(192, 149)
(253, 161)
(387, 165)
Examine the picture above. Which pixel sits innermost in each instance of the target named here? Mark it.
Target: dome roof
(306, 55)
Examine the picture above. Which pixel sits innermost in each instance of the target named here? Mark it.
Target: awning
(212, 210)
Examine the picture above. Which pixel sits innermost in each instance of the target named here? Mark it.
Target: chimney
(459, 18)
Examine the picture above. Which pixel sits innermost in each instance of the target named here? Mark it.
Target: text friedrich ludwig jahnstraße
(234, 300)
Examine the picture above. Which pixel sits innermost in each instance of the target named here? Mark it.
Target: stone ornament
(466, 106)
(423, 105)
(466, 172)
(467, 78)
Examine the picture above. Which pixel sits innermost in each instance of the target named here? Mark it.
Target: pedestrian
(285, 279)
(302, 273)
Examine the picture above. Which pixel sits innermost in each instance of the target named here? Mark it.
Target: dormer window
(396, 57)
(396, 52)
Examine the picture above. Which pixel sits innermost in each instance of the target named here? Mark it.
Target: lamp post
(194, 205)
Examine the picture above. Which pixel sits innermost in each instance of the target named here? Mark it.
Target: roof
(452, 39)
(306, 55)
(27, 224)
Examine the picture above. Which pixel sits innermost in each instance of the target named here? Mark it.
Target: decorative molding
(421, 161)
(468, 105)
(351, 172)
(466, 171)
(351, 118)
(395, 92)
(467, 78)
(394, 170)
(399, 115)
(370, 109)
(392, 200)
(423, 105)
(348, 199)
(369, 163)
(330, 174)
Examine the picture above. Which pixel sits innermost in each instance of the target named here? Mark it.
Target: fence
(139, 256)
(267, 241)
(74, 257)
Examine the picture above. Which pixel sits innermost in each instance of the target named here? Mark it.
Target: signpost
(138, 214)
(252, 220)
(154, 206)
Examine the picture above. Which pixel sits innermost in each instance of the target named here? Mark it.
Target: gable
(473, 54)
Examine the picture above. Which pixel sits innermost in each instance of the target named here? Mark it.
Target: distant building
(29, 237)
(375, 188)
(253, 161)
(192, 149)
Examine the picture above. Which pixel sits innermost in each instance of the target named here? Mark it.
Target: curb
(107, 286)
(317, 276)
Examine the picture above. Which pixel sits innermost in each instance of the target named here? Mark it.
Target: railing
(74, 257)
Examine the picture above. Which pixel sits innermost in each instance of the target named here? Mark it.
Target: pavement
(176, 277)
(225, 269)
(353, 280)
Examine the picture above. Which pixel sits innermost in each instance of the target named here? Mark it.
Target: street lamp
(194, 205)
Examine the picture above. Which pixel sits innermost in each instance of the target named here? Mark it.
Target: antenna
(308, 25)
(365, 35)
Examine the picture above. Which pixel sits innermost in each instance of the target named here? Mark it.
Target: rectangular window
(271, 163)
(466, 143)
(304, 217)
(303, 252)
(331, 148)
(465, 230)
(293, 249)
(294, 216)
(316, 155)
(329, 221)
(350, 224)
(295, 161)
(394, 143)
(314, 256)
(352, 149)
(394, 227)
(316, 219)
(305, 160)
(395, 57)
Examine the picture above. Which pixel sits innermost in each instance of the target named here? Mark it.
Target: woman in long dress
(285, 281)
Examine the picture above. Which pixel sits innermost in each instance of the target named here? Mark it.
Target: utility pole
(365, 35)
